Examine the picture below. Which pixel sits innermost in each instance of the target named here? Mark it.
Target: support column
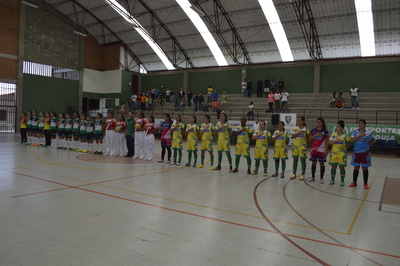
(185, 80)
(244, 74)
(21, 55)
(317, 77)
(81, 64)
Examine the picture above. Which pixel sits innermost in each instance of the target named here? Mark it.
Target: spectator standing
(271, 98)
(277, 101)
(196, 102)
(244, 88)
(171, 95)
(266, 86)
(177, 100)
(167, 93)
(139, 102)
(131, 105)
(249, 87)
(281, 84)
(260, 85)
(156, 95)
(134, 98)
(201, 101)
(332, 99)
(272, 85)
(209, 94)
(354, 97)
(285, 97)
(215, 100)
(189, 97)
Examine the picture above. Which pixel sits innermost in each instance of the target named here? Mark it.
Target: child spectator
(250, 113)
(209, 93)
(285, 97)
(340, 101)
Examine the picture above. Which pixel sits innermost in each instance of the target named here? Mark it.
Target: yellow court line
(88, 168)
(188, 203)
(362, 204)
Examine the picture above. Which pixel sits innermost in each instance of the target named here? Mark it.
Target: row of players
(142, 131)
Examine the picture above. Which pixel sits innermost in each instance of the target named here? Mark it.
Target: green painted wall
(297, 79)
(46, 94)
(368, 77)
(174, 80)
(228, 81)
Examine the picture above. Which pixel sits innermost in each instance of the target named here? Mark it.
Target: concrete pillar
(21, 53)
(81, 64)
(244, 73)
(185, 80)
(317, 77)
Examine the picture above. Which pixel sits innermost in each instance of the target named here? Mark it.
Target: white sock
(95, 146)
(101, 147)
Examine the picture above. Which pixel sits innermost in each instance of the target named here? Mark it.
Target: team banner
(379, 131)
(289, 119)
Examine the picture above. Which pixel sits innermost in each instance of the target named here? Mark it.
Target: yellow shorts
(261, 153)
(243, 149)
(177, 143)
(339, 158)
(280, 153)
(224, 145)
(299, 151)
(191, 146)
(207, 145)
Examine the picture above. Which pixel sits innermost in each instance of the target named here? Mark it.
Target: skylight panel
(203, 30)
(145, 35)
(365, 27)
(276, 27)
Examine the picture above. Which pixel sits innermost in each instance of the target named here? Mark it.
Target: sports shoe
(194, 166)
(312, 179)
(342, 184)
(200, 166)
(127, 156)
(160, 161)
(265, 174)
(332, 182)
(275, 175)
(254, 172)
(173, 163)
(302, 177)
(248, 172)
(178, 164)
(140, 158)
(282, 175)
(101, 153)
(366, 185)
(234, 170)
(188, 164)
(321, 181)
(353, 184)
(217, 168)
(293, 176)
(167, 162)
(96, 152)
(212, 167)
(134, 157)
(84, 151)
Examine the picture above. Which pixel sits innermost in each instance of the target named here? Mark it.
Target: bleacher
(375, 108)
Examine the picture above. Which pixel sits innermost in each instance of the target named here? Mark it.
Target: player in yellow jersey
(177, 141)
(262, 137)
(206, 133)
(224, 131)
(340, 143)
(281, 138)
(243, 144)
(299, 148)
(191, 132)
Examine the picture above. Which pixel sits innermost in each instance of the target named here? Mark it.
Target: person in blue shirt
(215, 101)
(362, 140)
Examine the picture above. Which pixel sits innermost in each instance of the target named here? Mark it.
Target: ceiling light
(365, 27)
(80, 33)
(198, 11)
(29, 4)
(131, 24)
(145, 35)
(276, 27)
(203, 30)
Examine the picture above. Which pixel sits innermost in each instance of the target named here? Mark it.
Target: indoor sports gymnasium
(199, 132)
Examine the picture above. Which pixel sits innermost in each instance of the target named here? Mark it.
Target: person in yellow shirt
(243, 144)
(206, 133)
(176, 129)
(23, 124)
(340, 143)
(209, 93)
(46, 130)
(224, 131)
(281, 138)
(300, 135)
(262, 137)
(191, 132)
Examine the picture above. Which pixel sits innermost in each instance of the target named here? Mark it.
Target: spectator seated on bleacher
(340, 101)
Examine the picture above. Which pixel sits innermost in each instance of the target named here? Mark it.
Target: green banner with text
(379, 131)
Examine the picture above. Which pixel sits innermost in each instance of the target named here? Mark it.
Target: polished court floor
(66, 208)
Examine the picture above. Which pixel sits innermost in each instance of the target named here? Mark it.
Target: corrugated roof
(335, 21)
